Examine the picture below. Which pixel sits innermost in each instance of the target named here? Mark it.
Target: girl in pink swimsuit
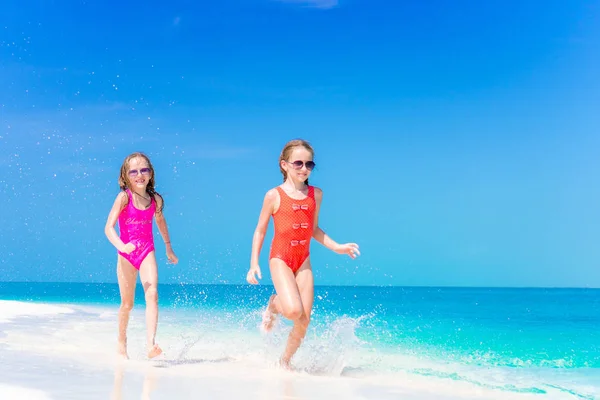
(294, 206)
(134, 209)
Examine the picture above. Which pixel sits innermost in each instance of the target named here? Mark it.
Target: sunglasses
(144, 171)
(299, 164)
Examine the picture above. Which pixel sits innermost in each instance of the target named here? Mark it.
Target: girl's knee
(151, 295)
(126, 305)
(293, 312)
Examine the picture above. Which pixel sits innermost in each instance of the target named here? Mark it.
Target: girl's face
(299, 165)
(138, 173)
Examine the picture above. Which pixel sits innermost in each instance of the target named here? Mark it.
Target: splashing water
(382, 335)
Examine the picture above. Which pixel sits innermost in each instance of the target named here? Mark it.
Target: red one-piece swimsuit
(293, 222)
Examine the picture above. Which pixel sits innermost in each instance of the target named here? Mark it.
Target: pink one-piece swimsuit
(135, 226)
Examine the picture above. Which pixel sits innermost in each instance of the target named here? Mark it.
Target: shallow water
(366, 342)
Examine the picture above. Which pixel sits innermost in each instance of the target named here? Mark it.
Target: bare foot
(154, 351)
(285, 364)
(122, 350)
(269, 316)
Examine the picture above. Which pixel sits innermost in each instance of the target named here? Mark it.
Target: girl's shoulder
(273, 193)
(122, 199)
(318, 193)
(159, 202)
(272, 199)
(123, 196)
(157, 198)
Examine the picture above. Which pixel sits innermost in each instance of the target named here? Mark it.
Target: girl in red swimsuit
(294, 206)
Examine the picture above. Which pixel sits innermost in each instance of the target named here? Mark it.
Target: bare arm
(161, 223)
(113, 217)
(318, 233)
(320, 236)
(270, 203)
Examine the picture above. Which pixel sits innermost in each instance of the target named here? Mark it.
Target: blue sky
(457, 145)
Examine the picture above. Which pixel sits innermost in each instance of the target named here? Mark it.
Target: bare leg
(305, 281)
(149, 277)
(270, 314)
(127, 277)
(294, 301)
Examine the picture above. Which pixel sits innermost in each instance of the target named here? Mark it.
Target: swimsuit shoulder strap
(128, 193)
(282, 195)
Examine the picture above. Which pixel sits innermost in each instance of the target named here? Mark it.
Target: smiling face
(298, 164)
(139, 173)
(136, 173)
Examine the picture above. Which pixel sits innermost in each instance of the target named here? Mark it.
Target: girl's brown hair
(150, 187)
(287, 151)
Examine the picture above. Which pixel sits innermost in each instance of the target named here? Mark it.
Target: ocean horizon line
(321, 285)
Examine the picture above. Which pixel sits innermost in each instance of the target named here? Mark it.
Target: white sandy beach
(67, 352)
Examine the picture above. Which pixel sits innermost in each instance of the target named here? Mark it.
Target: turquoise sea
(543, 342)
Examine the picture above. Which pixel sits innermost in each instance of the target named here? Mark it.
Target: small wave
(10, 309)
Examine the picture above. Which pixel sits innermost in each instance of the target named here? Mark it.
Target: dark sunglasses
(143, 171)
(298, 164)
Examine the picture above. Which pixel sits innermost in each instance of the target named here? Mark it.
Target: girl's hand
(349, 248)
(251, 276)
(171, 256)
(128, 248)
